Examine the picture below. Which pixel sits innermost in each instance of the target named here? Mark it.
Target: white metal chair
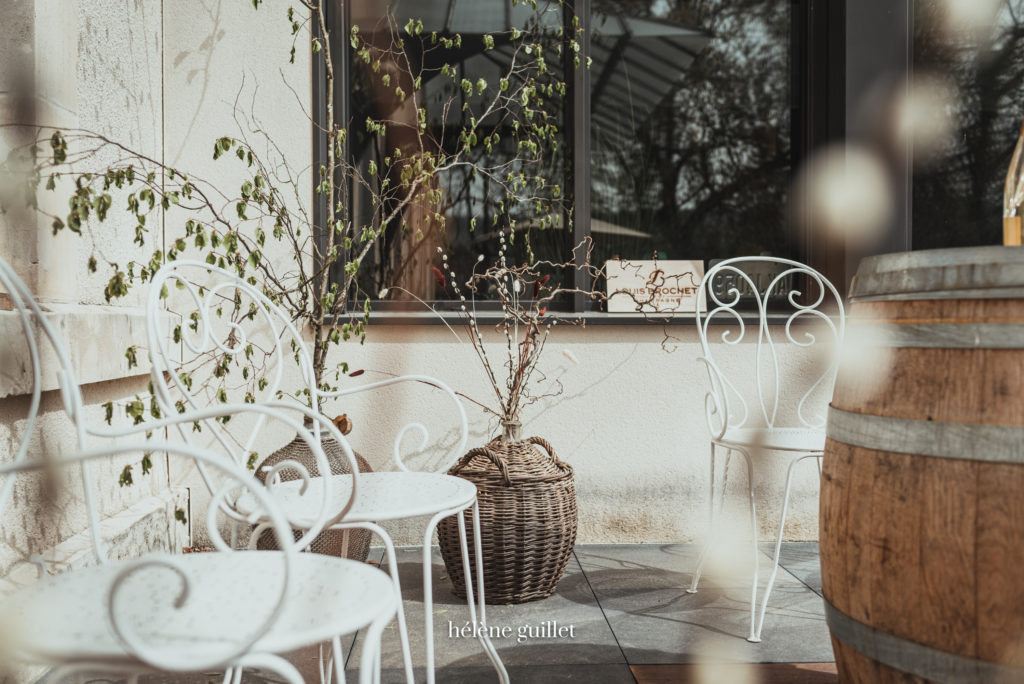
(226, 315)
(738, 295)
(178, 613)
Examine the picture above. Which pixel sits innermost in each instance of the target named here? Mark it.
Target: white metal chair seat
(776, 439)
(382, 496)
(65, 618)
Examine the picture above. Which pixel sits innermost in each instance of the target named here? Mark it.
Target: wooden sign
(653, 286)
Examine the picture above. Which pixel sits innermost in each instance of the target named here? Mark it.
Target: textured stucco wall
(97, 66)
(630, 421)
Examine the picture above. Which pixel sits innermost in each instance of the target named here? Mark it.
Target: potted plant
(526, 494)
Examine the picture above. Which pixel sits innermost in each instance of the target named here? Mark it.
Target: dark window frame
(818, 89)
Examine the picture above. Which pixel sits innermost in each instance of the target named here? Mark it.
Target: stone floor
(631, 621)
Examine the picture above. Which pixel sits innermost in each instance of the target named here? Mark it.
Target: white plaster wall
(630, 421)
(119, 92)
(226, 73)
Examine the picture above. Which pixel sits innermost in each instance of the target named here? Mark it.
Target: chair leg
(428, 593)
(274, 663)
(339, 661)
(403, 632)
(711, 526)
(778, 539)
(482, 634)
(369, 659)
(326, 663)
(753, 637)
(392, 561)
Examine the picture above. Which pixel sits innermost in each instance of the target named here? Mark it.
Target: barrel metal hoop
(941, 273)
(950, 335)
(917, 659)
(1015, 292)
(971, 441)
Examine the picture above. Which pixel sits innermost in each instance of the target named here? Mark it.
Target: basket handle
(491, 456)
(540, 441)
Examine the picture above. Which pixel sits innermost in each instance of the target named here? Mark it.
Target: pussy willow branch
(531, 314)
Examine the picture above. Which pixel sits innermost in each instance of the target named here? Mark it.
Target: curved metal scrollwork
(745, 307)
(419, 428)
(232, 334)
(205, 334)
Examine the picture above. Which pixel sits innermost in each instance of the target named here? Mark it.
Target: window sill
(584, 319)
(94, 336)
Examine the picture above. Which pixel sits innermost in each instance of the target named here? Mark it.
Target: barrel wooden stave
(927, 549)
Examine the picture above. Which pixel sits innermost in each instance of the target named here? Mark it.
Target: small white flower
(440, 251)
(569, 355)
(480, 258)
(517, 286)
(382, 294)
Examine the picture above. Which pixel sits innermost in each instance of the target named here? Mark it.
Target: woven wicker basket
(527, 520)
(354, 544)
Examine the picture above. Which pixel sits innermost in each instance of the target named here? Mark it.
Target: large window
(678, 136)
(958, 189)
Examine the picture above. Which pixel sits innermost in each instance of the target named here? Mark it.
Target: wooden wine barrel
(922, 500)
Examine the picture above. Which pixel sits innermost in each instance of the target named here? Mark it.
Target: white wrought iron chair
(738, 295)
(167, 612)
(226, 314)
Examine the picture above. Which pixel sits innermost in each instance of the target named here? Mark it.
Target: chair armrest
(418, 427)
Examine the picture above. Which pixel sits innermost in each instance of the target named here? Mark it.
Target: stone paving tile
(801, 560)
(530, 640)
(638, 589)
(522, 674)
(642, 590)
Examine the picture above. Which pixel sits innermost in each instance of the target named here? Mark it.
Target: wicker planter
(354, 544)
(527, 505)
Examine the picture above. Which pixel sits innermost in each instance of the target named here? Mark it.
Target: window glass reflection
(472, 201)
(958, 193)
(691, 149)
